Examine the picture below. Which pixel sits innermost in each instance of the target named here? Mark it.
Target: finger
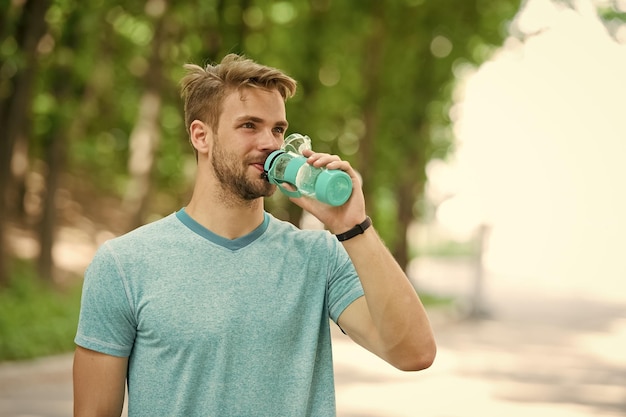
(342, 165)
(322, 159)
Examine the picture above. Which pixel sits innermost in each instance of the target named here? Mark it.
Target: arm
(99, 384)
(390, 320)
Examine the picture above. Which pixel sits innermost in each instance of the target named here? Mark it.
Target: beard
(234, 177)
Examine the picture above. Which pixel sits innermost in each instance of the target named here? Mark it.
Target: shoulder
(151, 233)
(289, 231)
(150, 229)
(149, 237)
(288, 235)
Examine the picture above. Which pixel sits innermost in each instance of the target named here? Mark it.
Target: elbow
(417, 359)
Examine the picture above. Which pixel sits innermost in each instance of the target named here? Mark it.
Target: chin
(266, 190)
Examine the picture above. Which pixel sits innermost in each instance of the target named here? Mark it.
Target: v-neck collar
(232, 244)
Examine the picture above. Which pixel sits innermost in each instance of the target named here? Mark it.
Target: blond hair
(203, 89)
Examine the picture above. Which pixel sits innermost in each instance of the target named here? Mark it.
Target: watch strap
(355, 231)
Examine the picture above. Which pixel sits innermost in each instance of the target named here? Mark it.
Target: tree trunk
(55, 156)
(405, 198)
(372, 71)
(144, 140)
(55, 144)
(14, 109)
(409, 191)
(145, 136)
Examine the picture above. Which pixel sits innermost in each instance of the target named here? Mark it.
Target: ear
(200, 135)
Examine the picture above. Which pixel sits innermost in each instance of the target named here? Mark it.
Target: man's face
(251, 126)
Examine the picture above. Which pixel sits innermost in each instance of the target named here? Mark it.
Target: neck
(224, 214)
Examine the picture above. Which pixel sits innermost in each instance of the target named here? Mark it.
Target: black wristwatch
(355, 231)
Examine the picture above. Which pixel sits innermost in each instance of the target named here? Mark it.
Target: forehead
(266, 104)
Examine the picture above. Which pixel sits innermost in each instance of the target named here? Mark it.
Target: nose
(269, 141)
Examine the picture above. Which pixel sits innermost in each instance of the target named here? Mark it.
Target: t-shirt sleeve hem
(102, 347)
(338, 308)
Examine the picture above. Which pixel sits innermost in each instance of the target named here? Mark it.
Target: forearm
(391, 320)
(399, 330)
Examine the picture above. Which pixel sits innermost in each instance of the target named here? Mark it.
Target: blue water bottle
(288, 166)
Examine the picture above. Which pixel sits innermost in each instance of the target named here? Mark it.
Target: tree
(64, 85)
(416, 85)
(386, 105)
(15, 100)
(145, 136)
(375, 87)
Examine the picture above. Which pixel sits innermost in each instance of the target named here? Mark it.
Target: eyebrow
(245, 118)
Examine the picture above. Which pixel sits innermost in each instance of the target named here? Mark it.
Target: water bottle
(288, 166)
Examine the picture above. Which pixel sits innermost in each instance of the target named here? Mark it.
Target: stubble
(237, 183)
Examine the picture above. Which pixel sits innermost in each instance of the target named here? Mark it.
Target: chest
(229, 300)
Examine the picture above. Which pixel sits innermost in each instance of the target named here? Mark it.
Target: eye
(280, 130)
(248, 125)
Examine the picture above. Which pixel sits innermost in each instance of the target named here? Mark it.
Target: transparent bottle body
(281, 165)
(306, 178)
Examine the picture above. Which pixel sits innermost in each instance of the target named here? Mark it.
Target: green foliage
(375, 85)
(435, 301)
(36, 320)
(613, 13)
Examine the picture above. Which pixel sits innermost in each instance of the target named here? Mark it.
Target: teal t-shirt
(219, 327)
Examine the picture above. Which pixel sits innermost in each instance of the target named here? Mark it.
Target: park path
(533, 353)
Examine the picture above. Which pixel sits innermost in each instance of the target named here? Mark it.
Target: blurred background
(489, 134)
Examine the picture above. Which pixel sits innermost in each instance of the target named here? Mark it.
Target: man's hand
(390, 320)
(336, 219)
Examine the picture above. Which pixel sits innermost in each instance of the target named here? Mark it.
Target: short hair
(203, 89)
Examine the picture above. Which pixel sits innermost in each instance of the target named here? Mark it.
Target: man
(222, 310)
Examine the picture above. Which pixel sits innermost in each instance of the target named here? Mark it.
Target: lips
(258, 166)
(258, 162)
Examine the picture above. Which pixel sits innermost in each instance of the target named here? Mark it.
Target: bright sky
(541, 154)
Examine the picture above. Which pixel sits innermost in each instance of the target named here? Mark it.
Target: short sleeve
(107, 321)
(344, 286)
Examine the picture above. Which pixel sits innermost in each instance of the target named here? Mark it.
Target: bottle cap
(296, 143)
(333, 187)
